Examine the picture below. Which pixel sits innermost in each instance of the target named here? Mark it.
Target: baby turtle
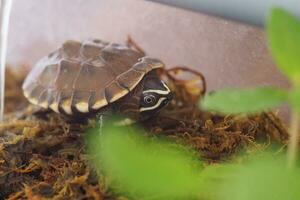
(91, 77)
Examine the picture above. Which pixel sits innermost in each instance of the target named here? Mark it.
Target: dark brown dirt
(43, 157)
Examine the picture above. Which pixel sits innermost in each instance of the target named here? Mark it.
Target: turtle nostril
(170, 96)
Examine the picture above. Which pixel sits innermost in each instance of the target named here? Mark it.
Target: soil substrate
(43, 157)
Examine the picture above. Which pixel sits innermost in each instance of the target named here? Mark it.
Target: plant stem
(293, 140)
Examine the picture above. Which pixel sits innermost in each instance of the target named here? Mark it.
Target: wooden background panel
(228, 53)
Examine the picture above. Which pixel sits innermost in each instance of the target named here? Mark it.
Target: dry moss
(42, 156)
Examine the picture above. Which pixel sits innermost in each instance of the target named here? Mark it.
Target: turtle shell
(86, 76)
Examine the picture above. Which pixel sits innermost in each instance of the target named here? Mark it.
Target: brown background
(227, 53)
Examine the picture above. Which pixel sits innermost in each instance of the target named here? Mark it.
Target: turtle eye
(149, 99)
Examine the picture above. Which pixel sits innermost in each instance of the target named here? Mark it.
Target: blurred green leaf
(283, 30)
(234, 101)
(142, 167)
(263, 178)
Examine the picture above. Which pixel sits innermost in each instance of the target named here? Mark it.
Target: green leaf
(262, 178)
(283, 30)
(235, 101)
(294, 99)
(142, 167)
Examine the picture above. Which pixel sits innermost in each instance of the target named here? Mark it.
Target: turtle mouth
(169, 99)
(166, 101)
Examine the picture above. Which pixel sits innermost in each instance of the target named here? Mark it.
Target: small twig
(293, 140)
(277, 123)
(132, 44)
(177, 69)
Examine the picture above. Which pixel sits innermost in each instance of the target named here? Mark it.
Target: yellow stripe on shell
(33, 101)
(54, 107)
(44, 104)
(99, 104)
(118, 96)
(26, 94)
(82, 107)
(66, 106)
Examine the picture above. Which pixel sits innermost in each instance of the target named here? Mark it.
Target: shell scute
(54, 100)
(36, 92)
(80, 100)
(47, 97)
(98, 100)
(91, 78)
(64, 101)
(114, 92)
(91, 50)
(68, 72)
(147, 64)
(46, 77)
(121, 58)
(130, 78)
(71, 48)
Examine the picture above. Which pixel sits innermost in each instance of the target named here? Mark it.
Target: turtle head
(155, 95)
